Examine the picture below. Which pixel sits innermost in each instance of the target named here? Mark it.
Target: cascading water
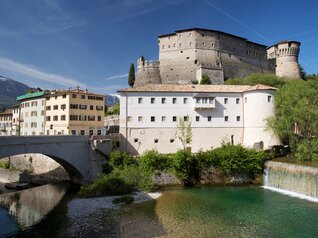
(292, 179)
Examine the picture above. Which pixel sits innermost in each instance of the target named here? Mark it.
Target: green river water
(246, 211)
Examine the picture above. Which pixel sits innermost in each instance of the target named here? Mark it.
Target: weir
(292, 179)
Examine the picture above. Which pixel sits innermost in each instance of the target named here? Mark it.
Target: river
(247, 211)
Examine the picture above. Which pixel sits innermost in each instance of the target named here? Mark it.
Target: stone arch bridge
(81, 156)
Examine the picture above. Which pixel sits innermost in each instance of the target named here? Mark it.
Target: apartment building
(32, 113)
(149, 116)
(74, 112)
(6, 123)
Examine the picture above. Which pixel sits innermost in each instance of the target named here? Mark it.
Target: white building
(6, 123)
(32, 113)
(149, 116)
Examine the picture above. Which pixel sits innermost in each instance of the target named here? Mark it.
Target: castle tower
(147, 72)
(286, 55)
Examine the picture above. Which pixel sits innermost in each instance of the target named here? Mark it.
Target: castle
(186, 55)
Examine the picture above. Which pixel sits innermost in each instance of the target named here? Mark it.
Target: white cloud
(33, 72)
(116, 77)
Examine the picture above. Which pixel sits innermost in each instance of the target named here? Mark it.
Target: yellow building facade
(74, 112)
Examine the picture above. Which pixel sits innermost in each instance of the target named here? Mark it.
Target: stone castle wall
(147, 72)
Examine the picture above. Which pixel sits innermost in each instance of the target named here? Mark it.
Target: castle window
(163, 118)
(174, 45)
(245, 100)
(152, 100)
(181, 51)
(174, 118)
(174, 100)
(163, 100)
(203, 43)
(152, 119)
(238, 118)
(180, 44)
(212, 45)
(156, 140)
(237, 101)
(135, 140)
(139, 118)
(163, 46)
(185, 100)
(209, 118)
(128, 119)
(197, 118)
(185, 118)
(171, 140)
(188, 58)
(195, 61)
(226, 100)
(269, 98)
(202, 35)
(139, 100)
(226, 118)
(190, 43)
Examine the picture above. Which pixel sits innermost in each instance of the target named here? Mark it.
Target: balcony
(204, 102)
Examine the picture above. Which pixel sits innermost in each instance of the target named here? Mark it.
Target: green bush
(184, 166)
(152, 161)
(124, 199)
(4, 165)
(106, 185)
(253, 79)
(233, 159)
(118, 159)
(307, 150)
(205, 80)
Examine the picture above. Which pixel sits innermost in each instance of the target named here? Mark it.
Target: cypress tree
(131, 76)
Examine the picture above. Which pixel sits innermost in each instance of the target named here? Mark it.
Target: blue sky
(91, 43)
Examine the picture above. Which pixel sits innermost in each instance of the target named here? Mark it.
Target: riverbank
(89, 216)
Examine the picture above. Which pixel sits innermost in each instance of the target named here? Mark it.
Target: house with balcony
(150, 114)
(6, 123)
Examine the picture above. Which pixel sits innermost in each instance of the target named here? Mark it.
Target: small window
(152, 100)
(195, 61)
(174, 100)
(185, 100)
(64, 95)
(163, 46)
(185, 118)
(91, 107)
(237, 101)
(152, 119)
(174, 118)
(163, 100)
(197, 118)
(63, 118)
(136, 140)
(140, 118)
(171, 140)
(163, 118)
(82, 132)
(55, 118)
(238, 118)
(156, 140)
(269, 98)
(83, 96)
(139, 100)
(129, 118)
(232, 139)
(245, 100)
(226, 100)
(209, 118)
(226, 118)
(73, 95)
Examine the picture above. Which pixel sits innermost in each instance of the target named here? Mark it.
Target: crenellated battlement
(147, 64)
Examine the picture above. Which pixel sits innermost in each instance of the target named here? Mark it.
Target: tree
(131, 76)
(302, 72)
(184, 132)
(253, 79)
(142, 58)
(205, 80)
(296, 113)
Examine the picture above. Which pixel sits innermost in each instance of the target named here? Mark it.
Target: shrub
(184, 166)
(118, 159)
(124, 199)
(205, 80)
(152, 161)
(233, 159)
(307, 150)
(4, 165)
(106, 185)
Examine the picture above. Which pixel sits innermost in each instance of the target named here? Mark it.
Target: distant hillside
(9, 90)
(111, 100)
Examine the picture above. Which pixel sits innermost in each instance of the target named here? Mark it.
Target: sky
(91, 43)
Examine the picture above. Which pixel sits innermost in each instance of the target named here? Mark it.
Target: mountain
(111, 99)
(9, 90)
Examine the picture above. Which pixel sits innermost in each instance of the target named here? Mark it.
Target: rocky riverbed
(99, 217)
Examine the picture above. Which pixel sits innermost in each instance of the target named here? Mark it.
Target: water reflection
(23, 209)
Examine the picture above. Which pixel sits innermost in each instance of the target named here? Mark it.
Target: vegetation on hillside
(114, 110)
(296, 117)
(253, 79)
(205, 80)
